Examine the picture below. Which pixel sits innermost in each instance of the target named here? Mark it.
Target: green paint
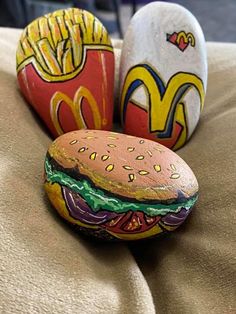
(98, 200)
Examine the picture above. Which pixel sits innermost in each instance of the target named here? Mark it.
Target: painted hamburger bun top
(125, 165)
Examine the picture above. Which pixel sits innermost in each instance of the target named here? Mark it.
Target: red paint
(182, 45)
(136, 123)
(40, 92)
(132, 222)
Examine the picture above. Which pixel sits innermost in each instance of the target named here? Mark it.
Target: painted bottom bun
(116, 186)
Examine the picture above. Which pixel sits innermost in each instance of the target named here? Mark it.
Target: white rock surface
(146, 42)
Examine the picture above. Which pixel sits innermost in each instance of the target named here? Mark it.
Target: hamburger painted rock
(163, 74)
(65, 70)
(116, 186)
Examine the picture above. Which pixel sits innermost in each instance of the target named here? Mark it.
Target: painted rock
(65, 66)
(163, 74)
(116, 186)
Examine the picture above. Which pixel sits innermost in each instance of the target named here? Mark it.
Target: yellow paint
(109, 168)
(188, 38)
(160, 107)
(157, 168)
(75, 106)
(57, 200)
(60, 52)
(105, 157)
(143, 172)
(166, 227)
(73, 142)
(81, 150)
(49, 57)
(62, 27)
(130, 149)
(67, 62)
(45, 38)
(127, 168)
(55, 31)
(93, 156)
(45, 31)
(132, 177)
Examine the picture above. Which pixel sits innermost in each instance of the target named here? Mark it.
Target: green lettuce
(98, 200)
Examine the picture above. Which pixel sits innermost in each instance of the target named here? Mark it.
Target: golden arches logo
(181, 39)
(165, 102)
(75, 106)
(187, 38)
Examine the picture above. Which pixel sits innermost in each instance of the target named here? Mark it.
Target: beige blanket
(47, 268)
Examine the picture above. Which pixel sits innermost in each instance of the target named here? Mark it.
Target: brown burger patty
(125, 165)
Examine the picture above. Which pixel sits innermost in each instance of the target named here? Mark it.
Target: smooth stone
(65, 70)
(116, 186)
(163, 74)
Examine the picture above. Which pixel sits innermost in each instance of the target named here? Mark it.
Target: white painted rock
(163, 74)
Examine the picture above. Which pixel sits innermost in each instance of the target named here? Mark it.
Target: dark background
(217, 17)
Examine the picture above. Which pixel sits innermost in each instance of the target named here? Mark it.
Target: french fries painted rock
(116, 186)
(65, 70)
(163, 74)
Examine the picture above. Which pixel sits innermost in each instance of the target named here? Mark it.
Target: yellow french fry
(33, 31)
(72, 15)
(89, 29)
(27, 48)
(73, 42)
(56, 42)
(62, 26)
(76, 44)
(69, 16)
(20, 55)
(45, 31)
(55, 31)
(97, 31)
(68, 44)
(79, 20)
(36, 53)
(60, 51)
(67, 62)
(69, 25)
(49, 56)
(57, 13)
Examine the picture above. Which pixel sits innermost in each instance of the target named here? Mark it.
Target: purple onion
(80, 210)
(176, 219)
